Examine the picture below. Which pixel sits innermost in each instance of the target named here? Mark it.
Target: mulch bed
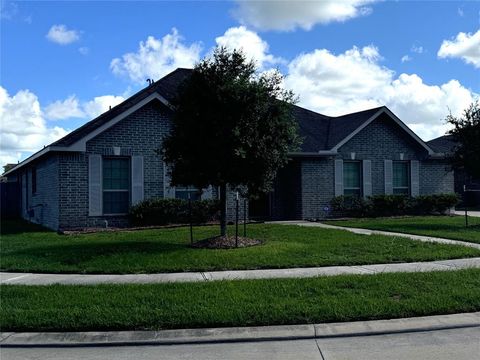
(226, 242)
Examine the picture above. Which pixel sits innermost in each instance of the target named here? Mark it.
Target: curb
(240, 334)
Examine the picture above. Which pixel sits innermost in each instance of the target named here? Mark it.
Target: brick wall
(317, 186)
(41, 207)
(436, 177)
(140, 133)
(382, 139)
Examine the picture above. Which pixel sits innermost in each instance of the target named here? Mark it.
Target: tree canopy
(231, 126)
(466, 132)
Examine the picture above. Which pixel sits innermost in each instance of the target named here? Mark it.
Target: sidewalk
(379, 232)
(470, 213)
(80, 279)
(242, 334)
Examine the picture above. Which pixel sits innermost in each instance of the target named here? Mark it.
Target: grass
(450, 227)
(237, 303)
(30, 248)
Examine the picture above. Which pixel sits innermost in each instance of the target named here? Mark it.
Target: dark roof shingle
(166, 87)
(444, 144)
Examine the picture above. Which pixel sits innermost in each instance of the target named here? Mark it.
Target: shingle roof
(313, 128)
(166, 87)
(443, 144)
(319, 132)
(344, 125)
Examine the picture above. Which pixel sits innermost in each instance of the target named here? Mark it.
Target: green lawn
(450, 227)
(237, 303)
(30, 248)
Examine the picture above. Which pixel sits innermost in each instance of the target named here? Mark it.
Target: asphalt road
(458, 344)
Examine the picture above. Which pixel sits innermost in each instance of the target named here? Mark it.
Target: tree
(466, 132)
(231, 127)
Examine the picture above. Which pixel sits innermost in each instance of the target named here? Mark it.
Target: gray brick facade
(380, 140)
(303, 189)
(41, 206)
(141, 133)
(317, 186)
(436, 177)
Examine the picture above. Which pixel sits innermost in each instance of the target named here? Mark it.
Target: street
(455, 344)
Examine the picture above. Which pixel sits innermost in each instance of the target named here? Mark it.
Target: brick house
(463, 180)
(96, 172)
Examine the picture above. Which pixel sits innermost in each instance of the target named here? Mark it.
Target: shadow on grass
(76, 254)
(18, 226)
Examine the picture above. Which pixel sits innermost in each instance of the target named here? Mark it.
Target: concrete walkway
(379, 232)
(469, 213)
(242, 334)
(80, 279)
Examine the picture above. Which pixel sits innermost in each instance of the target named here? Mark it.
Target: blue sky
(63, 63)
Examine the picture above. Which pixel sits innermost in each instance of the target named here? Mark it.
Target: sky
(64, 63)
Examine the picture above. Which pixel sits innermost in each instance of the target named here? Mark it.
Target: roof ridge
(358, 112)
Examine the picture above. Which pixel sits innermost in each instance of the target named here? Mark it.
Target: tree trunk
(223, 210)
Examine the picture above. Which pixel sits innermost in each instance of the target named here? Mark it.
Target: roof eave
(321, 153)
(37, 155)
(81, 145)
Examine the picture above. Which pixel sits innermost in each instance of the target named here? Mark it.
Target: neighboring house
(447, 144)
(97, 171)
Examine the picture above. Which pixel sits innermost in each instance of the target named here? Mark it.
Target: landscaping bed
(450, 227)
(28, 248)
(238, 303)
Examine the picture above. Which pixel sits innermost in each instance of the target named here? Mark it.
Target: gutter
(321, 153)
(35, 156)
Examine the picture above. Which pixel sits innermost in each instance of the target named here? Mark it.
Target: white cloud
(23, 128)
(71, 107)
(100, 104)
(417, 49)
(250, 43)
(355, 80)
(156, 57)
(406, 58)
(289, 15)
(60, 34)
(8, 10)
(68, 108)
(83, 50)
(465, 46)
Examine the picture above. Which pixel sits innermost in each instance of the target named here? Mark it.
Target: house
(462, 180)
(91, 176)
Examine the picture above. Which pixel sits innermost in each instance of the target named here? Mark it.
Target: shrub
(434, 204)
(391, 205)
(354, 206)
(172, 211)
(388, 205)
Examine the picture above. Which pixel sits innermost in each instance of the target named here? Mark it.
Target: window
(352, 178)
(182, 192)
(116, 185)
(401, 176)
(34, 180)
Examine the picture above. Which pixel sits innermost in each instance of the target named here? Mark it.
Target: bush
(173, 211)
(353, 206)
(392, 205)
(434, 204)
(389, 205)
